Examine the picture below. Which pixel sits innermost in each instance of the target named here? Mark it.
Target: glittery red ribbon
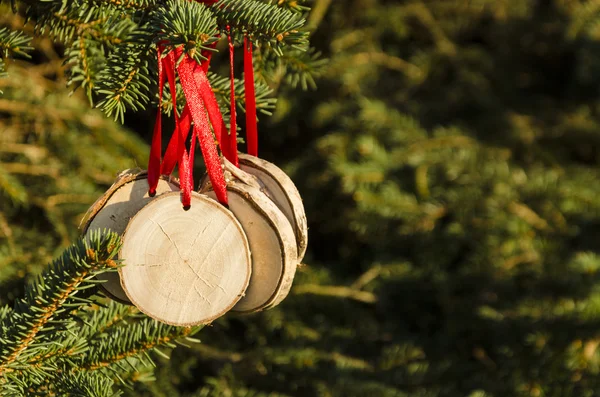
(200, 101)
(196, 87)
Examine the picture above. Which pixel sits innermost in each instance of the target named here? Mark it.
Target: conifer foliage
(58, 341)
(61, 338)
(111, 45)
(450, 170)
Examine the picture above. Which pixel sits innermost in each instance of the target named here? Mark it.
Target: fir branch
(139, 338)
(13, 43)
(264, 102)
(292, 5)
(84, 385)
(295, 67)
(11, 188)
(139, 5)
(84, 59)
(186, 23)
(100, 319)
(125, 81)
(336, 291)
(44, 297)
(265, 23)
(3, 73)
(65, 21)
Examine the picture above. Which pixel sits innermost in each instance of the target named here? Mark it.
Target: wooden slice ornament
(115, 208)
(185, 267)
(271, 237)
(281, 189)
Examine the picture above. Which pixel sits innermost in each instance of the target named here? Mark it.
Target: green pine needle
(265, 23)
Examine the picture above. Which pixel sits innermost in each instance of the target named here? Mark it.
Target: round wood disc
(114, 209)
(281, 189)
(272, 244)
(184, 267)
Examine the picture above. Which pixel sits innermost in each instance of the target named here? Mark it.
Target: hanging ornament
(267, 204)
(191, 257)
(114, 209)
(184, 267)
(202, 109)
(271, 238)
(276, 183)
(188, 259)
(281, 189)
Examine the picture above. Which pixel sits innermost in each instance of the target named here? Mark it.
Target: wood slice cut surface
(114, 210)
(272, 244)
(283, 192)
(185, 267)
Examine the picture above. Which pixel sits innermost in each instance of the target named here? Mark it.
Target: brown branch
(367, 277)
(85, 65)
(528, 215)
(389, 61)
(336, 291)
(317, 13)
(27, 169)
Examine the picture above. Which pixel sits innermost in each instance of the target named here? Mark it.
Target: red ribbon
(196, 87)
(156, 148)
(232, 147)
(200, 101)
(251, 123)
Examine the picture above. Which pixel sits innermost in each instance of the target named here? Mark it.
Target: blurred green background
(449, 162)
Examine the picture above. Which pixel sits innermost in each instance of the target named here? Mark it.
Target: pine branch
(265, 23)
(111, 42)
(264, 102)
(295, 67)
(100, 320)
(186, 23)
(132, 341)
(11, 188)
(125, 81)
(336, 291)
(3, 73)
(125, 5)
(292, 5)
(65, 21)
(84, 60)
(84, 385)
(44, 298)
(14, 43)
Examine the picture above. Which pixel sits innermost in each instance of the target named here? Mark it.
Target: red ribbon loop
(251, 122)
(196, 87)
(232, 144)
(156, 148)
(201, 104)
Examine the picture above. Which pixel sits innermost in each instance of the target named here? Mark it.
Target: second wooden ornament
(281, 189)
(184, 267)
(272, 242)
(115, 208)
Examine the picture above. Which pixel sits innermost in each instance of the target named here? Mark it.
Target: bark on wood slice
(184, 267)
(272, 244)
(283, 192)
(115, 208)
